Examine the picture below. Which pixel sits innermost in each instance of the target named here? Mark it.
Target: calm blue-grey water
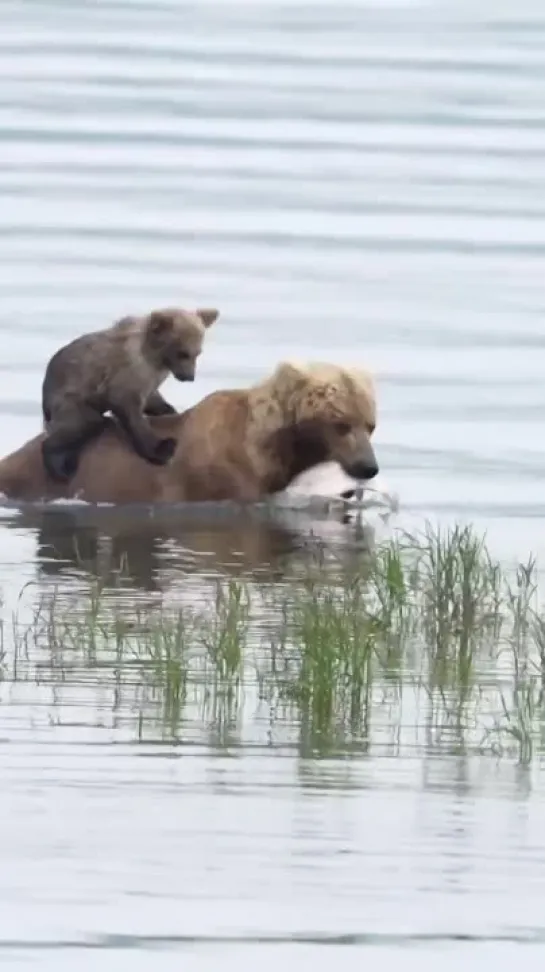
(345, 180)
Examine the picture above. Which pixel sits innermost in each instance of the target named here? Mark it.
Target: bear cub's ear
(208, 315)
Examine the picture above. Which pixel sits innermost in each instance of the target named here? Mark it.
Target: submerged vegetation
(429, 641)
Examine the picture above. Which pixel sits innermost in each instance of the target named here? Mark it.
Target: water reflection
(149, 550)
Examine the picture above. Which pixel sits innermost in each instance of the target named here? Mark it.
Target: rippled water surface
(345, 180)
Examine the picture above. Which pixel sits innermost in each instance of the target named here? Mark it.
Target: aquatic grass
(223, 633)
(431, 613)
(331, 641)
(162, 653)
(440, 598)
(538, 633)
(162, 649)
(457, 593)
(431, 599)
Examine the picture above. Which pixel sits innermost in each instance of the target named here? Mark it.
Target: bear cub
(118, 370)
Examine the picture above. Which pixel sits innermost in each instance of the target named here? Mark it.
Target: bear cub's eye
(183, 356)
(342, 428)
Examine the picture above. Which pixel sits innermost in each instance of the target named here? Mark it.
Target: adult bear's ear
(208, 315)
(160, 323)
(288, 376)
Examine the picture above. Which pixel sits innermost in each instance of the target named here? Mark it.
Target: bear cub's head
(174, 339)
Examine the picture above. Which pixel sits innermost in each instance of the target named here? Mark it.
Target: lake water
(347, 181)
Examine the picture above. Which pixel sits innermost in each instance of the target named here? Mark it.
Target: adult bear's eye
(342, 428)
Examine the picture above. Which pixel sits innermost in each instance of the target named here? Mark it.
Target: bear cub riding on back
(118, 370)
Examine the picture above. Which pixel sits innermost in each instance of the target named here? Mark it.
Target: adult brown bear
(240, 445)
